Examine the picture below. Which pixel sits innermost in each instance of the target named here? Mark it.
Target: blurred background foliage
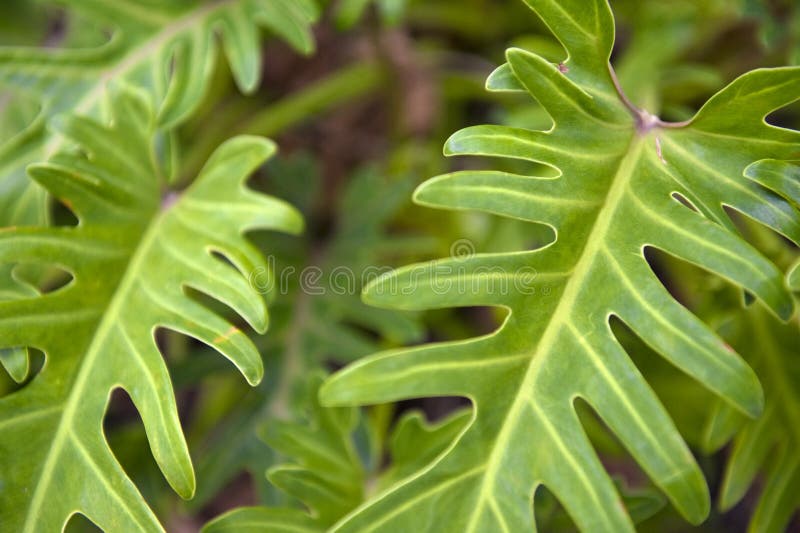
(359, 124)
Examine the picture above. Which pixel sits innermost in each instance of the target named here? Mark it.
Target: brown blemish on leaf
(562, 68)
(228, 334)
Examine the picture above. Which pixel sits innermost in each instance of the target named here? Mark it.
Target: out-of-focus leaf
(326, 474)
(766, 447)
(166, 48)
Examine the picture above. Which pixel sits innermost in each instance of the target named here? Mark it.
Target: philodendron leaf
(132, 255)
(14, 359)
(641, 504)
(783, 178)
(768, 445)
(794, 277)
(624, 176)
(310, 330)
(325, 472)
(169, 48)
(415, 443)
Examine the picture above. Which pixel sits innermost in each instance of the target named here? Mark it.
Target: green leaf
(313, 323)
(14, 359)
(782, 178)
(260, 519)
(415, 443)
(132, 256)
(326, 474)
(793, 278)
(767, 446)
(167, 48)
(641, 504)
(622, 173)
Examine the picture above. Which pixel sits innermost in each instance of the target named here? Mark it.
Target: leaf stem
(645, 121)
(346, 84)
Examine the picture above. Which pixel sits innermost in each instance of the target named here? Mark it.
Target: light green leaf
(167, 48)
(641, 503)
(326, 474)
(14, 359)
(622, 173)
(415, 443)
(132, 256)
(261, 519)
(794, 277)
(312, 327)
(781, 177)
(767, 446)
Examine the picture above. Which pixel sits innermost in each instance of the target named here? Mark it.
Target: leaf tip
(187, 492)
(502, 79)
(436, 192)
(295, 224)
(254, 375)
(785, 309)
(378, 292)
(262, 325)
(793, 277)
(422, 192)
(753, 404)
(330, 392)
(454, 144)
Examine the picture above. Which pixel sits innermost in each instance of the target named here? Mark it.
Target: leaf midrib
(595, 243)
(99, 336)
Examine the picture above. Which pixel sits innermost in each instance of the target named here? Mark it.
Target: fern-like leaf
(132, 256)
(622, 173)
(317, 323)
(766, 445)
(170, 48)
(326, 474)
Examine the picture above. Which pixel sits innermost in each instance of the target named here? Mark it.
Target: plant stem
(347, 84)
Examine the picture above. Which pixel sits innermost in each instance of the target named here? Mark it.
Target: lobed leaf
(132, 256)
(313, 323)
(326, 474)
(166, 48)
(764, 447)
(623, 177)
